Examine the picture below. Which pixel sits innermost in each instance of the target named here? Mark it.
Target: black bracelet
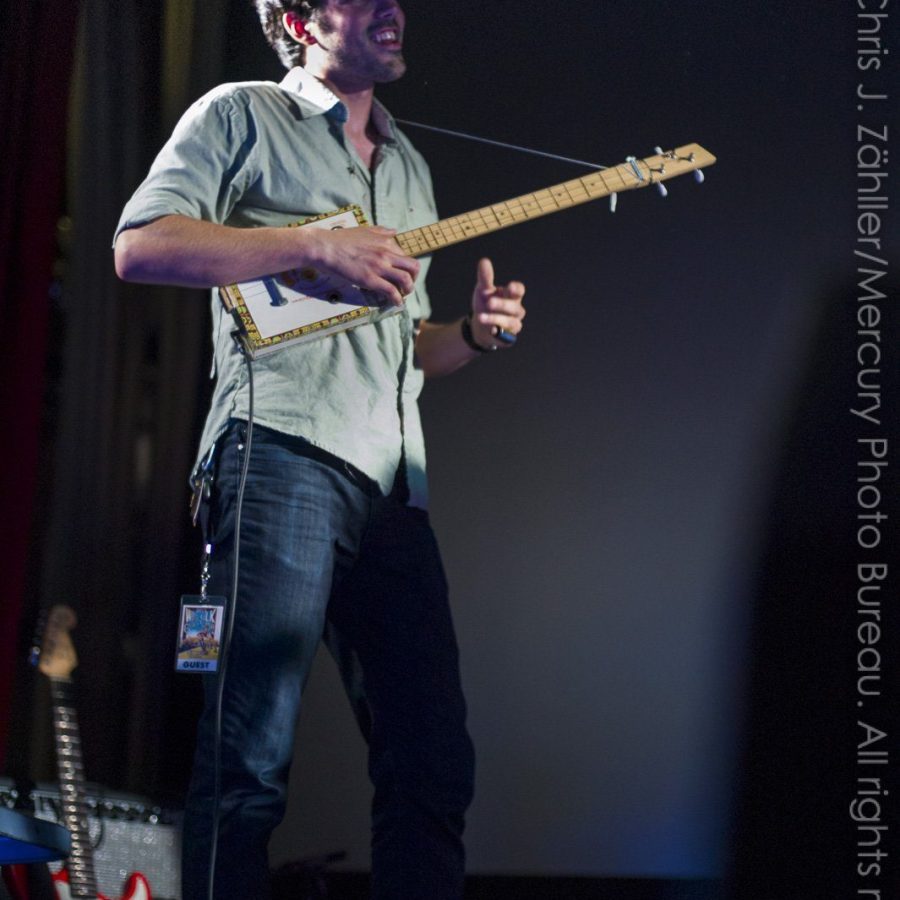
(466, 329)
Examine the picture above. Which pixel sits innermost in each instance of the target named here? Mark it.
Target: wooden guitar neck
(630, 175)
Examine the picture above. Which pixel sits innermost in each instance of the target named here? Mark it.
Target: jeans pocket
(238, 439)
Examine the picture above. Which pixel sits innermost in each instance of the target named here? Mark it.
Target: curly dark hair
(270, 12)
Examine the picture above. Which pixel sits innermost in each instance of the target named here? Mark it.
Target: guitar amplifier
(128, 834)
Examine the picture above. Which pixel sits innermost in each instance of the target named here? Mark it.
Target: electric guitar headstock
(53, 652)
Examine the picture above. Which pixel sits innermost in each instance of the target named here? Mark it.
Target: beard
(360, 57)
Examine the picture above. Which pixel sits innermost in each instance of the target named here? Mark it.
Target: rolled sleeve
(203, 169)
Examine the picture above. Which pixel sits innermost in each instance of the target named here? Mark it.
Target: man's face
(361, 40)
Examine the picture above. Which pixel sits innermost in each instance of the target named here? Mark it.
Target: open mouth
(387, 36)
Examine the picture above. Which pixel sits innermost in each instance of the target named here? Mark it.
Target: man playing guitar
(335, 543)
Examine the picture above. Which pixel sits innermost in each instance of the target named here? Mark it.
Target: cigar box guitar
(304, 304)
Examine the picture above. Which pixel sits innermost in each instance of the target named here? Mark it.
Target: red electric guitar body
(136, 887)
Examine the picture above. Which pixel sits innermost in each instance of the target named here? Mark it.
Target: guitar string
(613, 197)
(493, 143)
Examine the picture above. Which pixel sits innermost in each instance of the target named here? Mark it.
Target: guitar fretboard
(589, 187)
(80, 865)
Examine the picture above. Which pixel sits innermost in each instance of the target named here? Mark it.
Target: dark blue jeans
(324, 555)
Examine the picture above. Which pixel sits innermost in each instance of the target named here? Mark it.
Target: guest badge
(199, 634)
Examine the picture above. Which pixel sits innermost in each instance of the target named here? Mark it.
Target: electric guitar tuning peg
(699, 177)
(658, 151)
(662, 189)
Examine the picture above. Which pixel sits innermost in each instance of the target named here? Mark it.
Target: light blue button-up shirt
(260, 153)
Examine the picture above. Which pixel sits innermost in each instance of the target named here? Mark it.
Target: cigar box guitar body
(304, 304)
(301, 304)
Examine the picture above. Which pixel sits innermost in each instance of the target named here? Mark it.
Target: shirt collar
(318, 95)
(315, 93)
(384, 122)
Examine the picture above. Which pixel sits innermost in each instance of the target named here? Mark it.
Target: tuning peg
(699, 177)
(658, 151)
(613, 200)
(662, 189)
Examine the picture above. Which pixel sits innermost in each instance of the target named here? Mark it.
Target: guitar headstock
(56, 656)
(665, 164)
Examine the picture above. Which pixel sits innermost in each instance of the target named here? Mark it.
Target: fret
(625, 176)
(71, 787)
(456, 227)
(528, 204)
(576, 192)
(410, 243)
(488, 220)
(472, 226)
(544, 201)
(70, 752)
(73, 778)
(503, 214)
(434, 232)
(78, 810)
(466, 226)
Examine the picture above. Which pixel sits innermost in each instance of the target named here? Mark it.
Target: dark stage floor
(352, 886)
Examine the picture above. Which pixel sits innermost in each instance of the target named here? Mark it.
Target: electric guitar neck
(78, 879)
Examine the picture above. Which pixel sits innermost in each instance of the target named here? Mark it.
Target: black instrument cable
(229, 622)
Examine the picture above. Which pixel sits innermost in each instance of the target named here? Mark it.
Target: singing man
(335, 542)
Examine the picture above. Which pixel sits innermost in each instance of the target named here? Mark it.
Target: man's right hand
(192, 253)
(367, 256)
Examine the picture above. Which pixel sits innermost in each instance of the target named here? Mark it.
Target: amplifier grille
(128, 834)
